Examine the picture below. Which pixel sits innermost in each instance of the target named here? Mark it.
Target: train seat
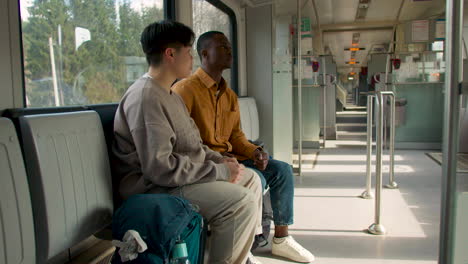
(249, 119)
(16, 218)
(69, 177)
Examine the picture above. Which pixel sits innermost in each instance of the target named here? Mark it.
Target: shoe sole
(300, 261)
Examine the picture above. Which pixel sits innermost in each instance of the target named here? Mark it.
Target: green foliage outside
(207, 17)
(98, 70)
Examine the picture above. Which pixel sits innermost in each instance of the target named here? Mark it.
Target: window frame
(169, 9)
(233, 27)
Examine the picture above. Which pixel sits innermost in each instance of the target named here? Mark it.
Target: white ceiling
(338, 41)
(334, 13)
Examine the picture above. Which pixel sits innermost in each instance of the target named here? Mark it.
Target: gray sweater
(157, 145)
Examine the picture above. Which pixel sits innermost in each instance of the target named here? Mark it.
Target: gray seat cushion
(249, 118)
(16, 218)
(70, 179)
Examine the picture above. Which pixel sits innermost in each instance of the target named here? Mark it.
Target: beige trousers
(234, 213)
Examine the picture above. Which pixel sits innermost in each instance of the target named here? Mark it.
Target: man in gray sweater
(158, 149)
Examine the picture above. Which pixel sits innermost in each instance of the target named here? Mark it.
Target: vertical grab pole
(324, 101)
(453, 41)
(376, 228)
(299, 81)
(392, 183)
(387, 70)
(367, 193)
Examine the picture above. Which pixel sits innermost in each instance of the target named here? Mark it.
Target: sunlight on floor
(321, 157)
(344, 143)
(372, 261)
(341, 212)
(352, 168)
(332, 222)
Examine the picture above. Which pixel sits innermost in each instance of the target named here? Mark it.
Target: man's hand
(227, 154)
(229, 159)
(260, 159)
(235, 168)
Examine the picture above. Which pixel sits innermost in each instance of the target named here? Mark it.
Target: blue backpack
(159, 219)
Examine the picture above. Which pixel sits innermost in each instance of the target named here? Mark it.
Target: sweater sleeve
(161, 165)
(213, 155)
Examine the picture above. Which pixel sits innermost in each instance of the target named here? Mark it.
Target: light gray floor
(330, 220)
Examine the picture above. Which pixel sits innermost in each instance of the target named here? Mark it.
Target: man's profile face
(219, 52)
(184, 61)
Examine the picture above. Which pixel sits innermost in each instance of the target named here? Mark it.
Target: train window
(83, 52)
(211, 15)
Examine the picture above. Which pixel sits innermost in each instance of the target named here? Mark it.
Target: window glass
(207, 17)
(79, 52)
(438, 46)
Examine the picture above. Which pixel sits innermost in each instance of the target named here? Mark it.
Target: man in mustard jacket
(215, 110)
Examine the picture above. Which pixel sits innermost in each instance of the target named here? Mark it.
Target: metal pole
(324, 102)
(424, 68)
(387, 70)
(60, 71)
(376, 228)
(392, 184)
(367, 193)
(453, 55)
(299, 82)
(319, 29)
(54, 74)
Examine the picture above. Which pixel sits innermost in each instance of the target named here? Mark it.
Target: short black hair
(159, 36)
(203, 40)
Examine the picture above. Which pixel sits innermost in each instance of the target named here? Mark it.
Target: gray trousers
(233, 212)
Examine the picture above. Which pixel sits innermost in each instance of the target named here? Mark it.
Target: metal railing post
(392, 184)
(377, 228)
(385, 88)
(299, 81)
(324, 102)
(367, 193)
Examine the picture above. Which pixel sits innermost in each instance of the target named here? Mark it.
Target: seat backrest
(69, 175)
(16, 218)
(105, 111)
(249, 117)
(107, 114)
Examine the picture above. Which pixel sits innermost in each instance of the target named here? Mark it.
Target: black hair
(159, 36)
(203, 40)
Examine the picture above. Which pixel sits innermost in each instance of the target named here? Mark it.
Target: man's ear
(169, 52)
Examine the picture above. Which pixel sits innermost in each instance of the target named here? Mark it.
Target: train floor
(331, 220)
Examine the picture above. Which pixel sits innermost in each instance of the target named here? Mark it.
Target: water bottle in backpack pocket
(180, 253)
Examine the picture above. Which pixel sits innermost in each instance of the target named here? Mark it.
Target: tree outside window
(83, 51)
(207, 17)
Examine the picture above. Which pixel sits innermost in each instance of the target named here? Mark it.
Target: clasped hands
(260, 159)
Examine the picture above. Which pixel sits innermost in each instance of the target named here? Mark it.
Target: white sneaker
(290, 249)
(252, 260)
